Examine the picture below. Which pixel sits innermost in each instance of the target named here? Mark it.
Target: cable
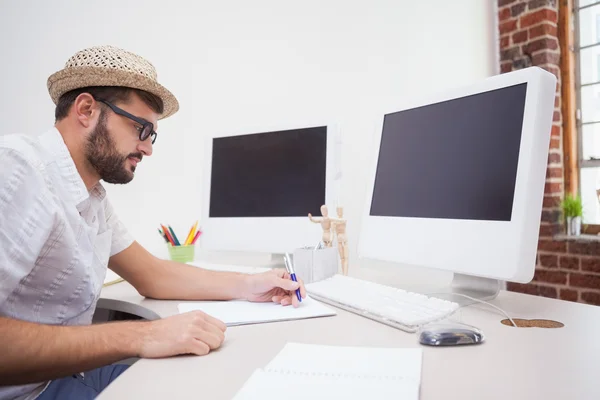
(481, 301)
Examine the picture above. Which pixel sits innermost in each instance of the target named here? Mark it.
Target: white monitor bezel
(275, 235)
(490, 249)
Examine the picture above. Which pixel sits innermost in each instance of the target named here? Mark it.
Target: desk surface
(513, 363)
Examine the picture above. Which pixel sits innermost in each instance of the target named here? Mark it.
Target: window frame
(571, 96)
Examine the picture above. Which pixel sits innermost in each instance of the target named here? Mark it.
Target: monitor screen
(271, 174)
(455, 159)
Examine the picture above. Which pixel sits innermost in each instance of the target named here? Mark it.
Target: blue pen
(290, 269)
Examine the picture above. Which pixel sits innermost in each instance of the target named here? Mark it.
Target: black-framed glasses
(146, 128)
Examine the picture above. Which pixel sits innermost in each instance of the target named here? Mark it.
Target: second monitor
(261, 186)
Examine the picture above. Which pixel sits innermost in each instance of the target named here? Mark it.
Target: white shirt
(55, 237)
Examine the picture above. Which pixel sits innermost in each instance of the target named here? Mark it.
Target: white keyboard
(391, 306)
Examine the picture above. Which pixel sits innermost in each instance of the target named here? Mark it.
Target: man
(59, 233)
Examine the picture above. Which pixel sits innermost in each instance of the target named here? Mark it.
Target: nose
(145, 147)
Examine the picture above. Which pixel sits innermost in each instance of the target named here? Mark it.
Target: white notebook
(303, 371)
(240, 312)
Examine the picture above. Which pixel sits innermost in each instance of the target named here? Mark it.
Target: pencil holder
(312, 265)
(182, 254)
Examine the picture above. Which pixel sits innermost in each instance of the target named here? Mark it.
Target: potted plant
(572, 209)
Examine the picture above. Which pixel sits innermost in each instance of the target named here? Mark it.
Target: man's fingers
(216, 322)
(294, 299)
(277, 299)
(198, 347)
(215, 330)
(287, 284)
(211, 339)
(286, 301)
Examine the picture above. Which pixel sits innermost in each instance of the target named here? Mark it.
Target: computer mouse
(450, 335)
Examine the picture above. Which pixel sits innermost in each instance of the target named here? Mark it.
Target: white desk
(513, 363)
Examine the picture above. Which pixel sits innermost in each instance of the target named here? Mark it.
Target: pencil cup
(182, 254)
(314, 265)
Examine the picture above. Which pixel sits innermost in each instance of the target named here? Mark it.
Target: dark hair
(112, 94)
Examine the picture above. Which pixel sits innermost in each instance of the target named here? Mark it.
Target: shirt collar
(54, 144)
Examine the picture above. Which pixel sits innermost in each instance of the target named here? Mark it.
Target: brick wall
(566, 268)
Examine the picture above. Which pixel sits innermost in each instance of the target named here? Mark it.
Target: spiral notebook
(304, 371)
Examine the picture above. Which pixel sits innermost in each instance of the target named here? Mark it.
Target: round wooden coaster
(533, 323)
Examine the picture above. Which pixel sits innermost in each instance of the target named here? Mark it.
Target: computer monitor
(457, 181)
(260, 187)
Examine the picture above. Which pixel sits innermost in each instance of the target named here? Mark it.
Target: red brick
(534, 289)
(553, 187)
(502, 3)
(548, 291)
(510, 53)
(507, 26)
(506, 67)
(569, 294)
(504, 14)
(556, 116)
(591, 248)
(542, 30)
(555, 143)
(517, 9)
(552, 246)
(554, 158)
(520, 288)
(539, 44)
(568, 262)
(584, 280)
(554, 172)
(504, 42)
(533, 4)
(548, 260)
(550, 276)
(537, 17)
(551, 201)
(591, 298)
(546, 57)
(548, 230)
(591, 264)
(550, 216)
(556, 130)
(557, 98)
(519, 37)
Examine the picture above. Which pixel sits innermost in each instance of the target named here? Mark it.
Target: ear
(86, 110)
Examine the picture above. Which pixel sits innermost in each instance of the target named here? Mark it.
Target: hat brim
(72, 78)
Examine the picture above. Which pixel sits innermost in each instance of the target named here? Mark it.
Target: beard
(101, 152)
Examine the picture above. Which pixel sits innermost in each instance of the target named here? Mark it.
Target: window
(587, 92)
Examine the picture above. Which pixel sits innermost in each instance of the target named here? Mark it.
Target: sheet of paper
(239, 312)
(337, 372)
(397, 363)
(265, 385)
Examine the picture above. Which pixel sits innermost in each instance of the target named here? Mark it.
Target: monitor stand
(465, 288)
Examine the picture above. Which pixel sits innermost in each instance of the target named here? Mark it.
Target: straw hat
(110, 66)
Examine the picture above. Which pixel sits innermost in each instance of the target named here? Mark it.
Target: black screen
(272, 174)
(454, 159)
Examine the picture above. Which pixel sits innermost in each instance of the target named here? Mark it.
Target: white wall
(236, 65)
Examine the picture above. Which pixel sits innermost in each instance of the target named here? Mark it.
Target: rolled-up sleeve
(26, 219)
(121, 238)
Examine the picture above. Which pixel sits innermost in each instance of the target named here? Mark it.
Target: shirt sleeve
(27, 218)
(121, 238)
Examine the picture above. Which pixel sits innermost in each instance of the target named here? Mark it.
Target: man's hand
(190, 333)
(276, 286)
